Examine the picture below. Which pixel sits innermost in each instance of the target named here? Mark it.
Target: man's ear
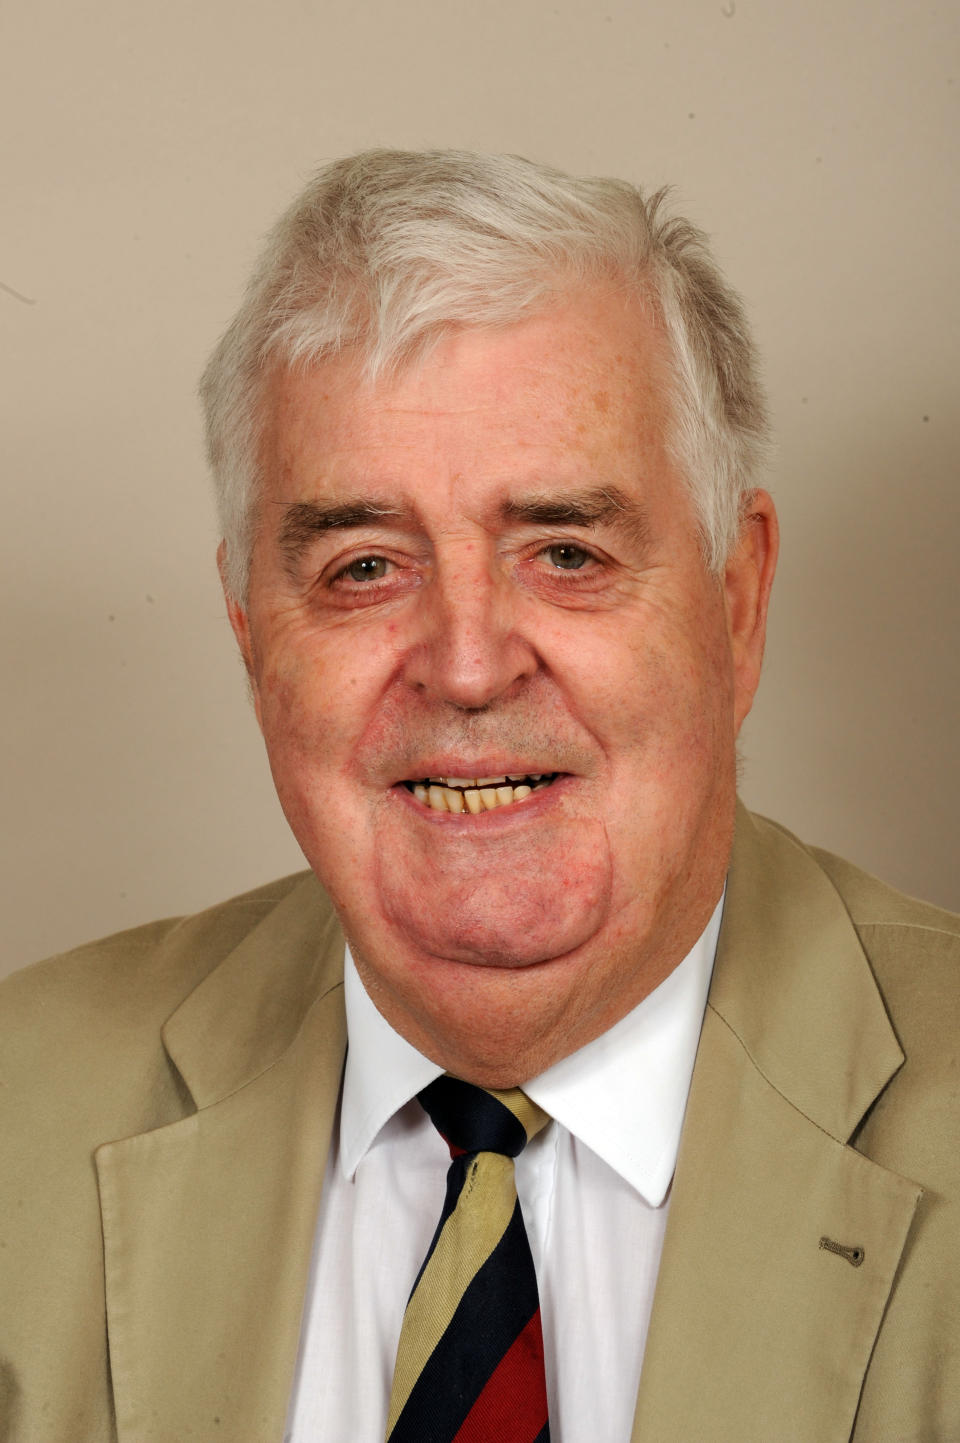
(240, 623)
(747, 581)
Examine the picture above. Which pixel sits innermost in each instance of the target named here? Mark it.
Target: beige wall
(146, 148)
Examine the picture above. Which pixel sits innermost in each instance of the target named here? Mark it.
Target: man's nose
(468, 650)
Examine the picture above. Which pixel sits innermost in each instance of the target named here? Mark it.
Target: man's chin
(497, 908)
(478, 942)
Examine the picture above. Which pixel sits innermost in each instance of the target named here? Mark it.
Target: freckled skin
(499, 944)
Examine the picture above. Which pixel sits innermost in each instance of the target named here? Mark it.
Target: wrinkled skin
(471, 633)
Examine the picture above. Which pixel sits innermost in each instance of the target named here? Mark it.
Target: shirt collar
(623, 1095)
(383, 1071)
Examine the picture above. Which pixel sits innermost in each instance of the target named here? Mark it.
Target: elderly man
(485, 440)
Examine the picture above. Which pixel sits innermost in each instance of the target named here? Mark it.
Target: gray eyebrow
(305, 520)
(596, 506)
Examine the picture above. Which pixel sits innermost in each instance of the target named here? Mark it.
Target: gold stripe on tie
(469, 1235)
(530, 1117)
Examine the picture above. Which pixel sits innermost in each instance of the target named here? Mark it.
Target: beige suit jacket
(166, 1101)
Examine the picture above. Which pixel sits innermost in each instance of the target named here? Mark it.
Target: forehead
(581, 387)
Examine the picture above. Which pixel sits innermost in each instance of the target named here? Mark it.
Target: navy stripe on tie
(471, 1119)
(453, 1377)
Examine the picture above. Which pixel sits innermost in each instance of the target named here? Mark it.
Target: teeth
(501, 781)
(462, 794)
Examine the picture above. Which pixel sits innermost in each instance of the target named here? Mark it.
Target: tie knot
(473, 1119)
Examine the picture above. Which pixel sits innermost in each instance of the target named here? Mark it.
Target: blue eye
(367, 568)
(566, 557)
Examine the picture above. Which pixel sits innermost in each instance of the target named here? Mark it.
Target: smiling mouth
(477, 794)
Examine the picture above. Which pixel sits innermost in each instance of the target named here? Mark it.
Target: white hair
(385, 251)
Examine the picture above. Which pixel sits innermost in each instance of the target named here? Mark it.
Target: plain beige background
(147, 148)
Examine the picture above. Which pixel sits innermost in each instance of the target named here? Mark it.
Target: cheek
(290, 694)
(665, 712)
(310, 699)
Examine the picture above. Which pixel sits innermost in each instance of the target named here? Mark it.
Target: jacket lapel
(758, 1331)
(208, 1223)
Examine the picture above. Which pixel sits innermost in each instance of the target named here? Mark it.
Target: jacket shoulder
(872, 903)
(95, 1013)
(913, 952)
(913, 948)
(869, 901)
(157, 958)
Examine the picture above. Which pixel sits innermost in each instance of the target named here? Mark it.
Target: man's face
(488, 568)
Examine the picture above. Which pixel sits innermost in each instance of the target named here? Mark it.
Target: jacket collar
(757, 1331)
(245, 1014)
(208, 1223)
(793, 983)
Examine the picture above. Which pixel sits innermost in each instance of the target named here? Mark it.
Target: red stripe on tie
(513, 1405)
(455, 1151)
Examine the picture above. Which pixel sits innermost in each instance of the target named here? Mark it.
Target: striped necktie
(470, 1358)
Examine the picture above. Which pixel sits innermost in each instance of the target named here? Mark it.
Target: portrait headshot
(481, 620)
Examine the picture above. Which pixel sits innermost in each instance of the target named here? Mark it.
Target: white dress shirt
(593, 1188)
